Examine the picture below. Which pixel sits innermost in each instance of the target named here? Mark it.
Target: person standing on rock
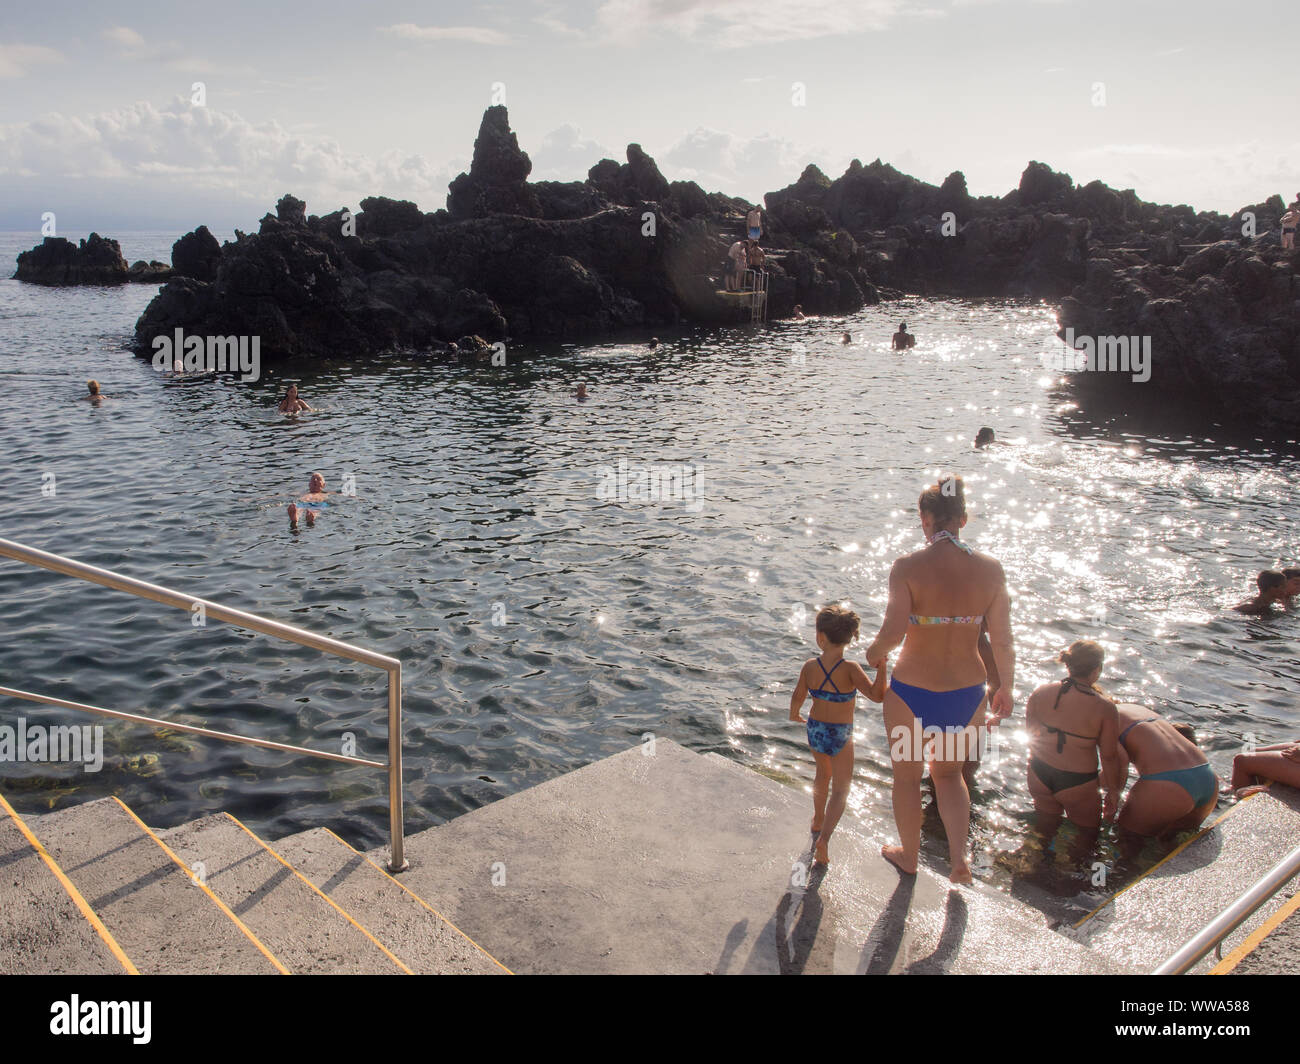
(1289, 222)
(754, 257)
(738, 256)
(754, 222)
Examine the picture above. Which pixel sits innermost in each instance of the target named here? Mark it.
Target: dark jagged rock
(58, 262)
(1223, 326)
(381, 216)
(196, 255)
(497, 182)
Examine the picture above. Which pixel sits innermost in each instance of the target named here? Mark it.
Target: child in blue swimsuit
(830, 721)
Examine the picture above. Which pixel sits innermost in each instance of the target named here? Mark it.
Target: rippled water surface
(541, 625)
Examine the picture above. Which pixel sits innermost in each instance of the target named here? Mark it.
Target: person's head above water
(1292, 581)
(847, 338)
(1270, 582)
(837, 625)
(654, 342)
(984, 437)
(943, 506)
(291, 392)
(902, 327)
(316, 484)
(92, 386)
(1083, 660)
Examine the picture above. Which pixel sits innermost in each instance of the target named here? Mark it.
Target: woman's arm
(894, 627)
(998, 620)
(800, 695)
(1113, 771)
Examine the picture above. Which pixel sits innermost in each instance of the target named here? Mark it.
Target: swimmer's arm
(800, 696)
(894, 627)
(1003, 649)
(1112, 774)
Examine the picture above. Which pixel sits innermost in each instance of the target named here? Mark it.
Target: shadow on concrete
(794, 943)
(955, 916)
(886, 936)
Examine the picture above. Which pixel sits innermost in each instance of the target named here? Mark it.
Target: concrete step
(661, 860)
(308, 931)
(412, 929)
(1149, 920)
(166, 921)
(46, 926)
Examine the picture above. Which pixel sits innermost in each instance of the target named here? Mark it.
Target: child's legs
(841, 781)
(821, 788)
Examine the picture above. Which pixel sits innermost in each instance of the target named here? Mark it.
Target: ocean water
(542, 623)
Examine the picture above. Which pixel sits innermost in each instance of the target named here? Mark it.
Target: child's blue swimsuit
(823, 736)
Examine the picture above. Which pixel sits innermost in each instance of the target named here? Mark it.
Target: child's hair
(1082, 657)
(93, 385)
(1291, 574)
(838, 624)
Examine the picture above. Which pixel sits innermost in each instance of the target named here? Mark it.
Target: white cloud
(125, 37)
(566, 155)
(472, 34)
(17, 59)
(732, 24)
(172, 154)
(723, 162)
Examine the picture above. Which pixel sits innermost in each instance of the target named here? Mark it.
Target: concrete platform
(688, 863)
(417, 935)
(309, 933)
(166, 923)
(1147, 922)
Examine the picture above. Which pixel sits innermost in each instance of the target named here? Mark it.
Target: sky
(100, 123)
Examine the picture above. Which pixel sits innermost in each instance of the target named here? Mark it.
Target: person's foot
(820, 853)
(293, 515)
(896, 857)
(1254, 788)
(961, 873)
(311, 518)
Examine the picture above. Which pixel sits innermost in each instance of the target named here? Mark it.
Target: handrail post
(397, 859)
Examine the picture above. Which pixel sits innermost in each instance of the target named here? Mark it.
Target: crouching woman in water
(1070, 724)
(939, 599)
(1176, 788)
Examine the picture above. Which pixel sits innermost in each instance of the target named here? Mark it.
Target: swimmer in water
(903, 339)
(580, 393)
(847, 338)
(291, 404)
(654, 342)
(94, 397)
(1292, 588)
(313, 499)
(984, 437)
(1272, 588)
(798, 311)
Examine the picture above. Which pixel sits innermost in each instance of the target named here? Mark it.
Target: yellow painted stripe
(1256, 937)
(1169, 856)
(385, 873)
(204, 887)
(76, 896)
(341, 911)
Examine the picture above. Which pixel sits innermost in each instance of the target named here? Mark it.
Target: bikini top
(1131, 727)
(1061, 733)
(917, 618)
(835, 695)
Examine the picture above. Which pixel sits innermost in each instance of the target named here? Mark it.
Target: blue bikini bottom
(827, 738)
(940, 709)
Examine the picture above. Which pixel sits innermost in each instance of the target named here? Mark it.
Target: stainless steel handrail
(1232, 917)
(140, 588)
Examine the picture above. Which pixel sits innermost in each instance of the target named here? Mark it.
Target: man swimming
(95, 397)
(984, 437)
(1292, 586)
(314, 499)
(1272, 588)
(903, 339)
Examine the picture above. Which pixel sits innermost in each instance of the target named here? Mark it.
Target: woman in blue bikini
(1176, 788)
(830, 721)
(938, 599)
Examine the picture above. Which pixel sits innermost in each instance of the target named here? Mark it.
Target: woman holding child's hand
(940, 600)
